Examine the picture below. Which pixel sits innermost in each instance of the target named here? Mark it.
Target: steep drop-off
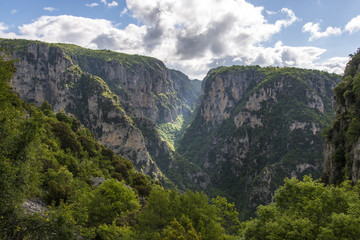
(255, 126)
(252, 126)
(115, 95)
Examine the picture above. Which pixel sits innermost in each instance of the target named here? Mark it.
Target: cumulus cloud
(188, 35)
(353, 25)
(333, 65)
(315, 32)
(92, 5)
(3, 31)
(3, 27)
(86, 32)
(50, 9)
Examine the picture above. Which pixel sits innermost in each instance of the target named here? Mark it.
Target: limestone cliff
(342, 148)
(255, 126)
(106, 91)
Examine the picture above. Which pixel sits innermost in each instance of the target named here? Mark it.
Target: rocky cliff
(107, 91)
(251, 127)
(255, 126)
(342, 148)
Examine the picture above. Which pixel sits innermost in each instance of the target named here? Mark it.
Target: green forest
(83, 190)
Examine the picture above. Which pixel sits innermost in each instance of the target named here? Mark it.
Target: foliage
(86, 190)
(169, 215)
(308, 210)
(237, 156)
(344, 132)
(109, 201)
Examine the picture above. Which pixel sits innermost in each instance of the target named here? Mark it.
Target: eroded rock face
(147, 90)
(256, 126)
(223, 93)
(108, 92)
(47, 73)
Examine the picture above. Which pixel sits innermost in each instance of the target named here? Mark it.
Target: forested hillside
(58, 182)
(133, 104)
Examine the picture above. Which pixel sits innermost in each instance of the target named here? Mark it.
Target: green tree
(175, 231)
(308, 210)
(111, 200)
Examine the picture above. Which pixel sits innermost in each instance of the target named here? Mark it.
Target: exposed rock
(315, 101)
(247, 119)
(223, 92)
(253, 126)
(97, 181)
(32, 206)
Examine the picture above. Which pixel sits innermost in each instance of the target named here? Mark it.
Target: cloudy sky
(196, 35)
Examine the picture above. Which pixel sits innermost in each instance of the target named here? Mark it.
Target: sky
(194, 36)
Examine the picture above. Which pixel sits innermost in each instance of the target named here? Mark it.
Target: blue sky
(194, 36)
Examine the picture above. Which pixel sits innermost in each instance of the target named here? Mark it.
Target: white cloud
(112, 4)
(92, 5)
(3, 27)
(3, 31)
(123, 12)
(333, 65)
(270, 12)
(188, 35)
(315, 33)
(353, 25)
(86, 32)
(50, 9)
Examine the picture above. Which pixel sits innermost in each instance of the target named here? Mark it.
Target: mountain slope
(255, 126)
(110, 93)
(58, 182)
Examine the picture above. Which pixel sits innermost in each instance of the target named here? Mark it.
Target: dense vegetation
(107, 78)
(344, 132)
(308, 210)
(58, 182)
(256, 158)
(81, 188)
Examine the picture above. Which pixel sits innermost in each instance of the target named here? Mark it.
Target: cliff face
(255, 126)
(342, 148)
(145, 87)
(106, 91)
(46, 73)
(252, 126)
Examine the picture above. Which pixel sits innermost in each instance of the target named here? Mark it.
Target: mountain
(238, 133)
(342, 156)
(58, 182)
(255, 126)
(123, 99)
